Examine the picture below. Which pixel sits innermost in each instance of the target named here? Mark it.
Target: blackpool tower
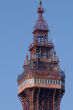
(41, 86)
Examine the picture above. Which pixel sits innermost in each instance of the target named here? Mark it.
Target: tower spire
(40, 1)
(42, 83)
(40, 24)
(40, 8)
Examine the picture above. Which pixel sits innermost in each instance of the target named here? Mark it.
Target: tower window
(48, 81)
(58, 82)
(53, 81)
(42, 39)
(39, 40)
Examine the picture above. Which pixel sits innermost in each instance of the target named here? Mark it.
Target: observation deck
(41, 78)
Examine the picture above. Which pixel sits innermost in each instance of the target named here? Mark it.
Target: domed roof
(40, 24)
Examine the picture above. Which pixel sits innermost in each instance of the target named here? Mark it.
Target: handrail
(41, 44)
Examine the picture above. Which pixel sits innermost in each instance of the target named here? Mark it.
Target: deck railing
(48, 44)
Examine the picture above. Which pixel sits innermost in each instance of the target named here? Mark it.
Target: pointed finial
(40, 8)
(40, 2)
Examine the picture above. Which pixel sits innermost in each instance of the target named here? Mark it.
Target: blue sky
(17, 18)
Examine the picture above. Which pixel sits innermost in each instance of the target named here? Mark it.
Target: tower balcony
(41, 79)
(43, 44)
(41, 83)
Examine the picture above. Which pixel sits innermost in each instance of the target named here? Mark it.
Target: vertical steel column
(31, 99)
(37, 102)
(54, 92)
(48, 104)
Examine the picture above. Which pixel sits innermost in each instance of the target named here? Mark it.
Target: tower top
(40, 24)
(40, 8)
(42, 82)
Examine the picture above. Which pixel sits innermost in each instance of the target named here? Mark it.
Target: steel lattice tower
(42, 83)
